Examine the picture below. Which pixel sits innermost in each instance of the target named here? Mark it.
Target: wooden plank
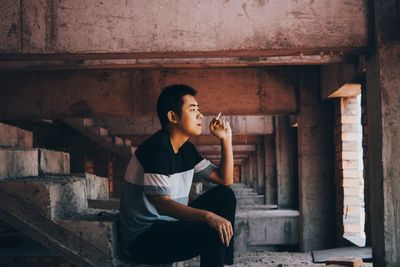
(342, 80)
(320, 256)
(351, 262)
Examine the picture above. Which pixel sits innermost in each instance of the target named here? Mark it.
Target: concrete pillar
(242, 173)
(315, 153)
(270, 170)
(260, 169)
(247, 172)
(383, 98)
(285, 163)
(253, 171)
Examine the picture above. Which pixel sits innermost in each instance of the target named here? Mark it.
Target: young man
(156, 223)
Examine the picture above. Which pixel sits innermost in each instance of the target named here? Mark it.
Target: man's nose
(200, 116)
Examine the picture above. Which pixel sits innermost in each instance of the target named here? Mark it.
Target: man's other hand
(222, 226)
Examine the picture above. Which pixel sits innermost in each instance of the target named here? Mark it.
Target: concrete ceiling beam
(235, 156)
(235, 162)
(250, 125)
(217, 148)
(119, 27)
(134, 93)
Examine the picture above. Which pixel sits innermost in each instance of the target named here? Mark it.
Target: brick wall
(349, 175)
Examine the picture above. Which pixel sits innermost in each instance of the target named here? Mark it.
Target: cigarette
(216, 119)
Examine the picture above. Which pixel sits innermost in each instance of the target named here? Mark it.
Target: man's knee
(227, 194)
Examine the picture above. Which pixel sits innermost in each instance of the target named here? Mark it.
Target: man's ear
(172, 118)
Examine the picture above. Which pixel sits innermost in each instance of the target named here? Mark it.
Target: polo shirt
(155, 169)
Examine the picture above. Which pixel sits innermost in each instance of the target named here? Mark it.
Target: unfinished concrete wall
(316, 170)
(383, 98)
(179, 25)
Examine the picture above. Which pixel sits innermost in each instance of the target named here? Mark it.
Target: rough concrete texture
(25, 216)
(53, 197)
(265, 227)
(32, 162)
(259, 207)
(97, 228)
(245, 191)
(18, 163)
(97, 187)
(134, 93)
(383, 98)
(11, 136)
(53, 162)
(178, 25)
(10, 26)
(249, 200)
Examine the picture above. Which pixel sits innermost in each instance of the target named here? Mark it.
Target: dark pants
(167, 242)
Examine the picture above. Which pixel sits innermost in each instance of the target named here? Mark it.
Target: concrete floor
(270, 259)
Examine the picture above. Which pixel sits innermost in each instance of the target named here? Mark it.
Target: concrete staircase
(261, 227)
(73, 215)
(41, 198)
(100, 134)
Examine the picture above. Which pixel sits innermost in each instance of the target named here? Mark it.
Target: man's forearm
(226, 164)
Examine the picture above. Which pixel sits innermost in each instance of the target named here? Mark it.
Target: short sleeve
(203, 167)
(155, 163)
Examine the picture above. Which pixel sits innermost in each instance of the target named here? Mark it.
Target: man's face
(190, 119)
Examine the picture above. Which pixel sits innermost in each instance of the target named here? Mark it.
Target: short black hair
(170, 99)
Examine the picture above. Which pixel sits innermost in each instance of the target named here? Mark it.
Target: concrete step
(70, 243)
(17, 162)
(51, 196)
(258, 207)
(97, 187)
(255, 229)
(100, 135)
(250, 200)
(11, 136)
(245, 192)
(237, 185)
(96, 227)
